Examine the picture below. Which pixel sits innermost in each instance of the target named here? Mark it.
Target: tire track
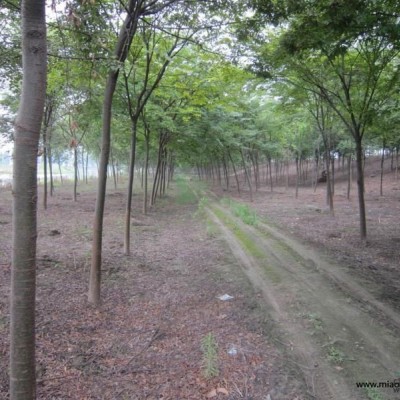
(294, 279)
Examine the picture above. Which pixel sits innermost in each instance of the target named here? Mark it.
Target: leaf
(212, 393)
(222, 391)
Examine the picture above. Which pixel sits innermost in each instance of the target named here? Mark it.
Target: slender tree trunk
(157, 175)
(349, 176)
(128, 209)
(24, 227)
(360, 186)
(95, 269)
(50, 158)
(235, 172)
(226, 172)
(247, 175)
(333, 175)
(287, 174)
(271, 183)
(45, 169)
(87, 167)
(297, 176)
(382, 164)
(75, 172)
(113, 169)
(329, 194)
(124, 41)
(46, 139)
(59, 170)
(146, 168)
(164, 173)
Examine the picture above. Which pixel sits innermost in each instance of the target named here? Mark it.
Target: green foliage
(373, 394)
(209, 348)
(242, 211)
(335, 355)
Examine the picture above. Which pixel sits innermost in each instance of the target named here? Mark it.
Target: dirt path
(338, 332)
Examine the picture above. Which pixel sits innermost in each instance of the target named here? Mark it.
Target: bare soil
(313, 309)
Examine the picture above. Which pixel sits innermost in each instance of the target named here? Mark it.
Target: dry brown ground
(158, 304)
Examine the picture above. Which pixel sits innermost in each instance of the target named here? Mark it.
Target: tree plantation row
(222, 87)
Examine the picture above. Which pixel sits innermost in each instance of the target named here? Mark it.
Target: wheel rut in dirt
(339, 333)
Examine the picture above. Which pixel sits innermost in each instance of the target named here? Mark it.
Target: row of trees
(224, 87)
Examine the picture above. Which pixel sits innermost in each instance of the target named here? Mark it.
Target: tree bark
(75, 172)
(235, 172)
(24, 233)
(146, 169)
(128, 209)
(360, 185)
(349, 176)
(382, 164)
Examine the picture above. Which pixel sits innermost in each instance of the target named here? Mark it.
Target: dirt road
(335, 331)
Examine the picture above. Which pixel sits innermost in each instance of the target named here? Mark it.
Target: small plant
(203, 203)
(373, 394)
(242, 211)
(316, 321)
(335, 355)
(209, 347)
(211, 230)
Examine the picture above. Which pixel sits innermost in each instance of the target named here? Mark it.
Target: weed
(203, 203)
(211, 230)
(242, 211)
(209, 347)
(335, 355)
(373, 394)
(316, 321)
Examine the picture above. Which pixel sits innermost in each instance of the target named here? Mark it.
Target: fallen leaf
(222, 391)
(211, 393)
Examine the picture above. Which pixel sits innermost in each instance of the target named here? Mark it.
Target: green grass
(249, 245)
(185, 194)
(373, 394)
(209, 347)
(335, 355)
(315, 319)
(242, 211)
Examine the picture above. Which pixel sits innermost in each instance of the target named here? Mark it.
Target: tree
(27, 134)
(125, 37)
(356, 43)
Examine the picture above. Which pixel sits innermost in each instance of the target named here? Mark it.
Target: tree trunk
(349, 176)
(297, 177)
(50, 158)
(270, 174)
(44, 169)
(146, 168)
(333, 175)
(59, 170)
(360, 186)
(247, 176)
(128, 209)
(329, 194)
(226, 172)
(125, 37)
(87, 167)
(75, 171)
(382, 164)
(24, 227)
(235, 172)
